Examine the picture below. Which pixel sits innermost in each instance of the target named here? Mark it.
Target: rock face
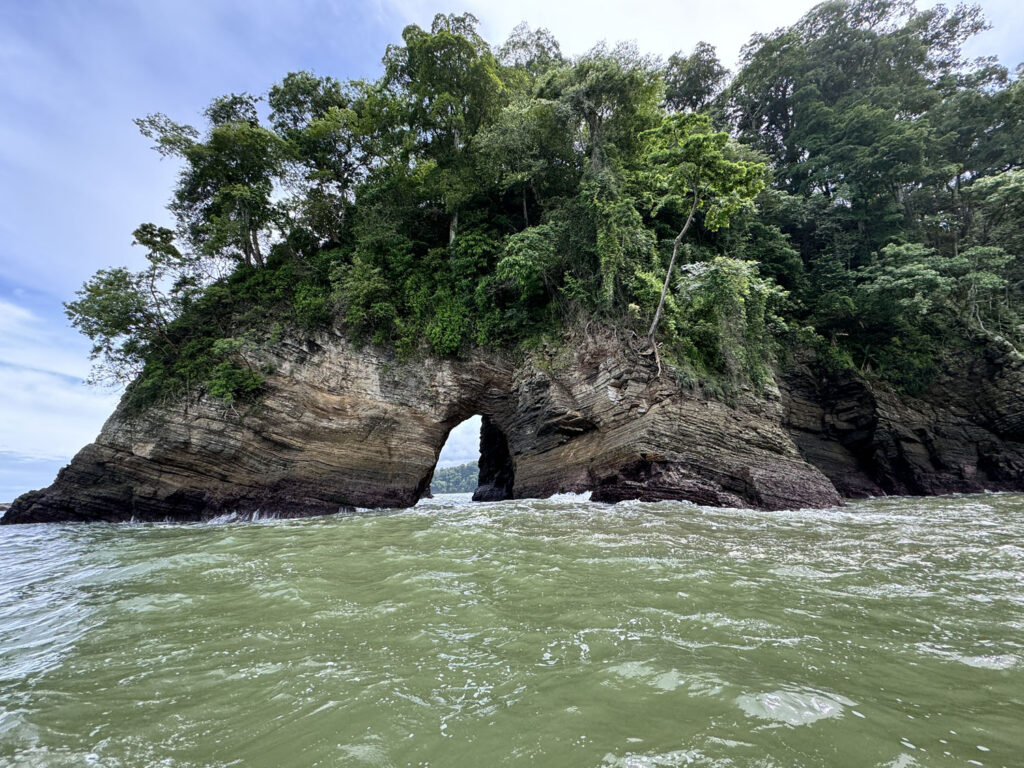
(341, 427)
(965, 435)
(497, 470)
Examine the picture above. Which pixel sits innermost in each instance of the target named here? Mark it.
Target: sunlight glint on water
(541, 633)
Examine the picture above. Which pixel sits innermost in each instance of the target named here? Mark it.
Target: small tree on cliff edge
(691, 168)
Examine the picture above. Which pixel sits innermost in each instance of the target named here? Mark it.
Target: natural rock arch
(496, 465)
(341, 427)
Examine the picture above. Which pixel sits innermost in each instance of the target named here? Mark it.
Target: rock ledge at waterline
(341, 427)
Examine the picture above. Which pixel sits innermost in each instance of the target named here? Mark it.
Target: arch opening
(480, 442)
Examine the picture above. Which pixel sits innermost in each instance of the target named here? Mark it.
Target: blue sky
(76, 177)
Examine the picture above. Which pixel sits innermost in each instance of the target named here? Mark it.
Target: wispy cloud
(46, 415)
(22, 473)
(47, 412)
(30, 341)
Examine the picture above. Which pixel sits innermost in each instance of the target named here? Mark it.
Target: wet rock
(496, 469)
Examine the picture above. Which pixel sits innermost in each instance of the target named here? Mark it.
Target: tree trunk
(956, 214)
(453, 228)
(596, 162)
(671, 266)
(256, 250)
(526, 216)
(246, 244)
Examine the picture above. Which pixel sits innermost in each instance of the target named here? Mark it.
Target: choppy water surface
(542, 633)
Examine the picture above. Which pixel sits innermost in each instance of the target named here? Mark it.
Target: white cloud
(47, 412)
(462, 445)
(19, 474)
(663, 27)
(29, 341)
(657, 27)
(48, 416)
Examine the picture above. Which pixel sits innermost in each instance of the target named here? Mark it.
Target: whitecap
(793, 707)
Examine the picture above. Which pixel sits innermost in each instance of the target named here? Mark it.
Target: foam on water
(550, 632)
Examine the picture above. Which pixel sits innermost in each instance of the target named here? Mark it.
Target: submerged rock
(341, 427)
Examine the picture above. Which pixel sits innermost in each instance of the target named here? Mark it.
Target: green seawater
(529, 633)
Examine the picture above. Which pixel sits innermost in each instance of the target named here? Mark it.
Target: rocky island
(653, 282)
(340, 428)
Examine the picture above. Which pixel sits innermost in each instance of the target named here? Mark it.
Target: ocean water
(527, 633)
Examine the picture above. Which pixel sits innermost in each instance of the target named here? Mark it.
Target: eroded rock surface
(496, 478)
(966, 434)
(341, 427)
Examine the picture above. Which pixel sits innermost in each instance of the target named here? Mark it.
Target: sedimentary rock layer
(964, 435)
(341, 427)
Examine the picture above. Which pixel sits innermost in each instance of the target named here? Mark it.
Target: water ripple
(552, 633)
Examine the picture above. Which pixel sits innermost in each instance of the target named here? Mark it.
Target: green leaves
(692, 82)
(223, 200)
(481, 196)
(690, 168)
(687, 160)
(906, 280)
(529, 261)
(128, 314)
(610, 97)
(444, 86)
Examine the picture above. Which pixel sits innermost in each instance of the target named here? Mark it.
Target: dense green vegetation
(460, 479)
(855, 186)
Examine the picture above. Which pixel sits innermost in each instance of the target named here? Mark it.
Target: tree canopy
(855, 186)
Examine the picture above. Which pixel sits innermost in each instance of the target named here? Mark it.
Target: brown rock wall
(341, 427)
(962, 436)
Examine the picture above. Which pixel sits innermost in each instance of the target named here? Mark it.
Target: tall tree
(224, 199)
(694, 169)
(692, 82)
(317, 117)
(534, 51)
(450, 87)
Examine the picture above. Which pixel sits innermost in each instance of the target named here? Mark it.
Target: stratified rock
(964, 435)
(341, 427)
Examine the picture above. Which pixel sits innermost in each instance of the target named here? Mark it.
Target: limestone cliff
(341, 427)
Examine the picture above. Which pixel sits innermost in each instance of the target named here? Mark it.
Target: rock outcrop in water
(341, 427)
(965, 435)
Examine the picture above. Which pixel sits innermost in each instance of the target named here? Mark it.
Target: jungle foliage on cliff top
(857, 184)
